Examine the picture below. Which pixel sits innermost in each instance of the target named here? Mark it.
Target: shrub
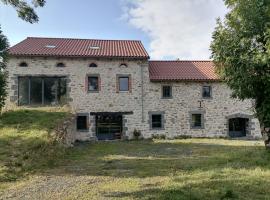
(137, 134)
(159, 136)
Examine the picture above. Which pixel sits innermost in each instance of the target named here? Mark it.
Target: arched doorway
(238, 127)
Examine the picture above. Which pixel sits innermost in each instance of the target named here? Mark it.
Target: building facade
(116, 91)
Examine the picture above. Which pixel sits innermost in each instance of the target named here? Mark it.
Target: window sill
(83, 131)
(157, 129)
(207, 98)
(166, 97)
(196, 128)
(92, 91)
(124, 91)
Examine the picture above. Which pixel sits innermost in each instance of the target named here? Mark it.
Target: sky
(169, 29)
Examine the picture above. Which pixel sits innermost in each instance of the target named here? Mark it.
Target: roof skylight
(94, 47)
(50, 46)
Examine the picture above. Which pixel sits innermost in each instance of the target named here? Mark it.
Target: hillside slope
(25, 142)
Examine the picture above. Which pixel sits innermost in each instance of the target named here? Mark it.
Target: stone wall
(187, 99)
(144, 98)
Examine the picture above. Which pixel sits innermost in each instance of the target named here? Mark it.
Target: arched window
(93, 65)
(123, 65)
(23, 64)
(60, 64)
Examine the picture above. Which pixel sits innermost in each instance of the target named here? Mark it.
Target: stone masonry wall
(145, 97)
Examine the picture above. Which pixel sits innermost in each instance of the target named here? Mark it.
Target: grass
(149, 169)
(25, 144)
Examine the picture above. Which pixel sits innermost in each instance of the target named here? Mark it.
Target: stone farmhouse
(115, 90)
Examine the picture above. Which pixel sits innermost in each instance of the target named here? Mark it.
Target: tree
(3, 59)
(24, 10)
(241, 52)
(27, 13)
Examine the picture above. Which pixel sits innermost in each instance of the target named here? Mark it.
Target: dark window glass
(92, 83)
(82, 123)
(157, 121)
(60, 65)
(23, 90)
(167, 91)
(206, 91)
(39, 90)
(93, 65)
(123, 84)
(36, 90)
(196, 120)
(50, 91)
(23, 64)
(123, 65)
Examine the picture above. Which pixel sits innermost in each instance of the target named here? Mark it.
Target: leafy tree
(241, 52)
(3, 59)
(28, 14)
(24, 10)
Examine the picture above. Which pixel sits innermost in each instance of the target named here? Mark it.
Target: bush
(137, 134)
(159, 136)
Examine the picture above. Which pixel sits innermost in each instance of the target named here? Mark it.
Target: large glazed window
(42, 90)
(36, 90)
(23, 90)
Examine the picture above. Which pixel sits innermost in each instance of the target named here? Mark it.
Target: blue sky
(168, 29)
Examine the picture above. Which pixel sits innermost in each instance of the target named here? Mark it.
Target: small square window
(166, 91)
(156, 121)
(196, 121)
(93, 84)
(82, 124)
(206, 92)
(123, 83)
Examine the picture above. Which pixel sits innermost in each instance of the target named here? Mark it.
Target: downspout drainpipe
(142, 88)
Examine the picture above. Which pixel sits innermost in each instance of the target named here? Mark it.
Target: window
(60, 64)
(206, 92)
(41, 90)
(23, 64)
(82, 124)
(36, 90)
(93, 65)
(93, 85)
(123, 65)
(23, 95)
(156, 120)
(196, 121)
(123, 83)
(166, 91)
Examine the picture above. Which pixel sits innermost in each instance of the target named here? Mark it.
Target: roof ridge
(68, 38)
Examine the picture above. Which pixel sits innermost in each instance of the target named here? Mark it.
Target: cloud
(176, 28)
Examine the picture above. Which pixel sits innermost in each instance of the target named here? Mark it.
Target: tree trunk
(265, 131)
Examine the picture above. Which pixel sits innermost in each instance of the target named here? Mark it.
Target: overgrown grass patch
(25, 143)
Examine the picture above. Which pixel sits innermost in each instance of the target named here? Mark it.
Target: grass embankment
(25, 144)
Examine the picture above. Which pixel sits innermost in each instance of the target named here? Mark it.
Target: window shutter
(129, 84)
(117, 84)
(86, 83)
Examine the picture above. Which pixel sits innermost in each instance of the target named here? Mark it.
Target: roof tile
(182, 70)
(35, 46)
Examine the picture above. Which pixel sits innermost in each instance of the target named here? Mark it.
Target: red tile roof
(34, 46)
(182, 70)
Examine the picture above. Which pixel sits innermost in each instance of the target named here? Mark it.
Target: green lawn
(149, 169)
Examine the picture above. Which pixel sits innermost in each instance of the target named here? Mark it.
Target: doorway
(238, 127)
(109, 126)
